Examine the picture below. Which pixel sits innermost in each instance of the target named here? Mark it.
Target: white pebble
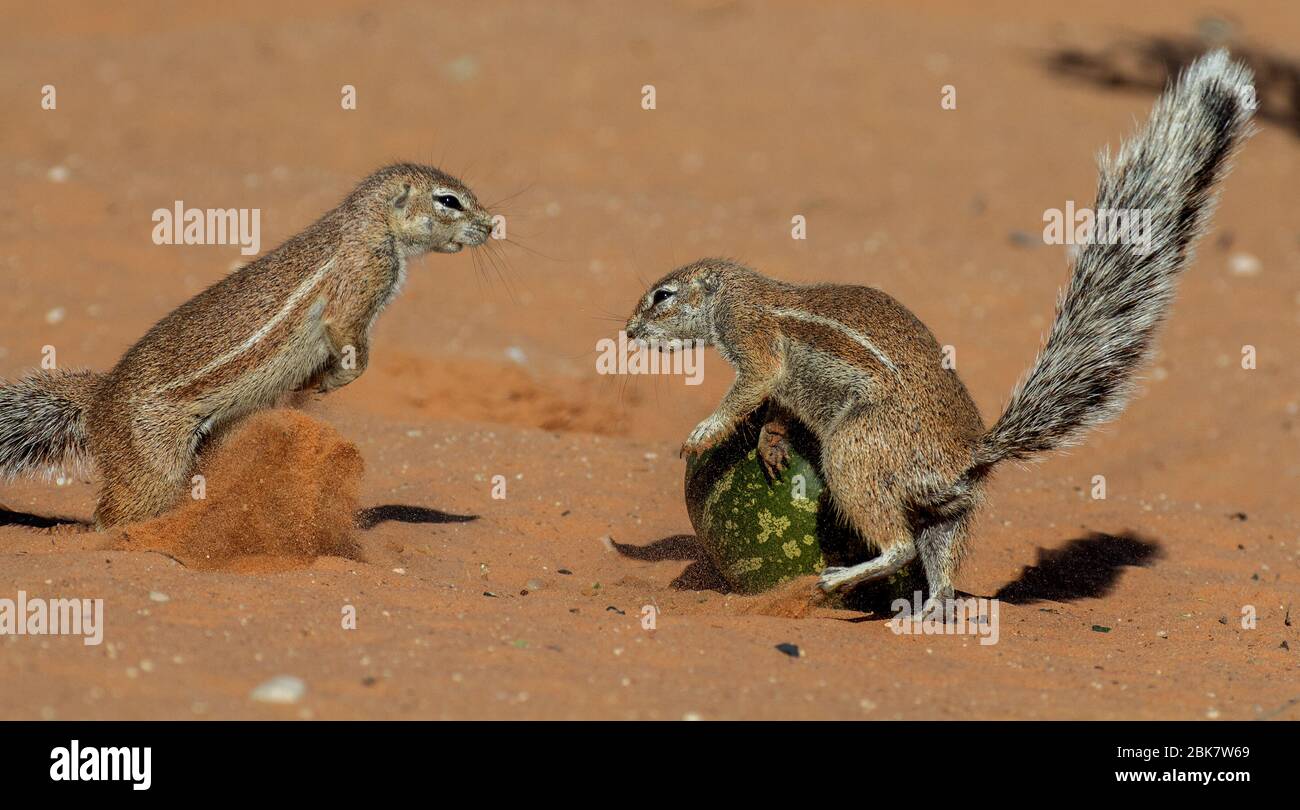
(159, 596)
(55, 315)
(1244, 264)
(57, 174)
(281, 689)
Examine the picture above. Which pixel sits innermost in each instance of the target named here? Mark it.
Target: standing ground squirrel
(904, 451)
(299, 317)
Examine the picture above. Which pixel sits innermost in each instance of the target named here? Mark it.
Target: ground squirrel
(297, 318)
(904, 451)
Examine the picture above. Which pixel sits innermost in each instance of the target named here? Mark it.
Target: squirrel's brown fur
(298, 317)
(904, 452)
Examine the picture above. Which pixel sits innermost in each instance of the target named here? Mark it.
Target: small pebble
(57, 174)
(282, 689)
(791, 650)
(1244, 264)
(463, 69)
(55, 315)
(159, 596)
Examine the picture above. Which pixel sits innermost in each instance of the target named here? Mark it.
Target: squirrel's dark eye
(449, 201)
(662, 295)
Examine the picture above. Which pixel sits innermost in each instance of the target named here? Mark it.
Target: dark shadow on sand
(9, 517)
(700, 575)
(1146, 64)
(402, 513)
(1085, 568)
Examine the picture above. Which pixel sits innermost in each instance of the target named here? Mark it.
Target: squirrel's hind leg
(891, 560)
(862, 491)
(142, 482)
(940, 545)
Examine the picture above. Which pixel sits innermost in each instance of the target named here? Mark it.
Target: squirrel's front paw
(706, 434)
(336, 380)
(774, 449)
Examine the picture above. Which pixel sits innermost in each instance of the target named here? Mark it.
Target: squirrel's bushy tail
(43, 422)
(1118, 294)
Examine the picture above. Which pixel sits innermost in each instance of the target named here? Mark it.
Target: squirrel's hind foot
(892, 559)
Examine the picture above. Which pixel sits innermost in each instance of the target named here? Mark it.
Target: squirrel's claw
(706, 435)
(773, 450)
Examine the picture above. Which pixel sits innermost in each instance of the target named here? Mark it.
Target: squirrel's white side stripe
(295, 298)
(858, 337)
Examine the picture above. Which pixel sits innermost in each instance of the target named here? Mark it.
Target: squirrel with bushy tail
(904, 452)
(297, 319)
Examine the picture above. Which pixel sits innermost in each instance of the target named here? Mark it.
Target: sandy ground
(534, 609)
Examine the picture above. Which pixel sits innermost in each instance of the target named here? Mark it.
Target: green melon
(760, 534)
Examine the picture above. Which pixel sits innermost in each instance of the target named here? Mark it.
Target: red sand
(279, 492)
(764, 110)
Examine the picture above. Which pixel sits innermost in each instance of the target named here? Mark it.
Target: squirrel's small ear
(399, 199)
(711, 282)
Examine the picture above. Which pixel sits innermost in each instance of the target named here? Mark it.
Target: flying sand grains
(281, 490)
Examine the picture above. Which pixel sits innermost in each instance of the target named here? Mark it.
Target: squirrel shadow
(1148, 63)
(1085, 568)
(368, 519)
(700, 575)
(9, 517)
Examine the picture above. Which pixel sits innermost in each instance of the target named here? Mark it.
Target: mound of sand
(281, 490)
